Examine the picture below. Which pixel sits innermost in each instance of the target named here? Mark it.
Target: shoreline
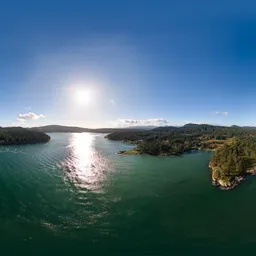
(231, 183)
(223, 184)
(134, 151)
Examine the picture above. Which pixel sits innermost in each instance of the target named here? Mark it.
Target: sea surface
(75, 196)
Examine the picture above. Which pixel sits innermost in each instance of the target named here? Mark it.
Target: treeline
(162, 148)
(18, 136)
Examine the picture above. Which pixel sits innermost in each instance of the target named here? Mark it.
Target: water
(74, 195)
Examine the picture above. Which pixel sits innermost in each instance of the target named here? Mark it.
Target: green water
(75, 196)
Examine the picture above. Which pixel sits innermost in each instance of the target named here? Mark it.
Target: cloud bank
(221, 113)
(145, 122)
(29, 116)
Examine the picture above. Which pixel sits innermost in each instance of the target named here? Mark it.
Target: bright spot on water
(84, 164)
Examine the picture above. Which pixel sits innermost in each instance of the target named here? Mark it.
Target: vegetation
(234, 147)
(177, 140)
(235, 158)
(129, 152)
(18, 136)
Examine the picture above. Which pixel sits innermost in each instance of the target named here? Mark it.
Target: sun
(82, 96)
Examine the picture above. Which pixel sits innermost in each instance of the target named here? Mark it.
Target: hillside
(74, 129)
(195, 134)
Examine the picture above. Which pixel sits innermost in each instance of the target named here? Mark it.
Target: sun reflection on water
(84, 164)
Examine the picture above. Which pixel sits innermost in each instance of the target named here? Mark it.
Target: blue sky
(133, 62)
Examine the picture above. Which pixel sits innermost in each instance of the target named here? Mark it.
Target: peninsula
(21, 136)
(234, 147)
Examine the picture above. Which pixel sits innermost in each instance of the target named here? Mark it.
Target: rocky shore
(128, 152)
(226, 183)
(252, 171)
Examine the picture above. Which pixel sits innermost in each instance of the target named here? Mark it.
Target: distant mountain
(191, 130)
(74, 129)
(59, 128)
(191, 125)
(186, 128)
(148, 127)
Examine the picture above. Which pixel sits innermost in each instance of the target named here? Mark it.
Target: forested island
(21, 136)
(234, 147)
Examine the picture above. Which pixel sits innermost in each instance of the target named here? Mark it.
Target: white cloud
(145, 122)
(29, 116)
(195, 122)
(122, 123)
(220, 113)
(112, 102)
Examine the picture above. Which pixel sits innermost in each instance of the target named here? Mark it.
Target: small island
(234, 147)
(21, 136)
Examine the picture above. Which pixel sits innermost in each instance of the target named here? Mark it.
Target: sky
(99, 63)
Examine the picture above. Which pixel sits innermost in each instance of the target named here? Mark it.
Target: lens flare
(82, 96)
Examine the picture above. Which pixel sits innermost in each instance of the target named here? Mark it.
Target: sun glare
(82, 97)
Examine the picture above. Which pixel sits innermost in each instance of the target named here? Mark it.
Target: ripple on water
(53, 185)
